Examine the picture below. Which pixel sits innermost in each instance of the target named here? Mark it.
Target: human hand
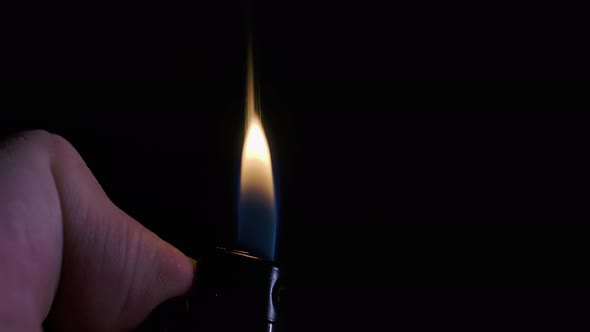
(67, 253)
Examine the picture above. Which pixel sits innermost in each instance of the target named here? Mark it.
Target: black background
(403, 204)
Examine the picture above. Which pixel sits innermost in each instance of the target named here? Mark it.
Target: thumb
(114, 271)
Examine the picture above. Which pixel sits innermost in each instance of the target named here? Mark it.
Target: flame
(256, 171)
(257, 222)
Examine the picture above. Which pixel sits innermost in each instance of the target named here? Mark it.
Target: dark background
(403, 204)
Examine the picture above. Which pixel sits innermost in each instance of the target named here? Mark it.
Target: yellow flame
(256, 170)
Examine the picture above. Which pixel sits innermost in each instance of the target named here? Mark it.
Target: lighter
(233, 291)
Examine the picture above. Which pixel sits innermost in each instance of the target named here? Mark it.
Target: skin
(68, 255)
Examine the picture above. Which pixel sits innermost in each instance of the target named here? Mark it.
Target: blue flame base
(257, 228)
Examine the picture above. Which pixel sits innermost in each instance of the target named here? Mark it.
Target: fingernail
(194, 262)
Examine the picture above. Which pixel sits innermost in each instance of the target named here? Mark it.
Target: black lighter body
(233, 291)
